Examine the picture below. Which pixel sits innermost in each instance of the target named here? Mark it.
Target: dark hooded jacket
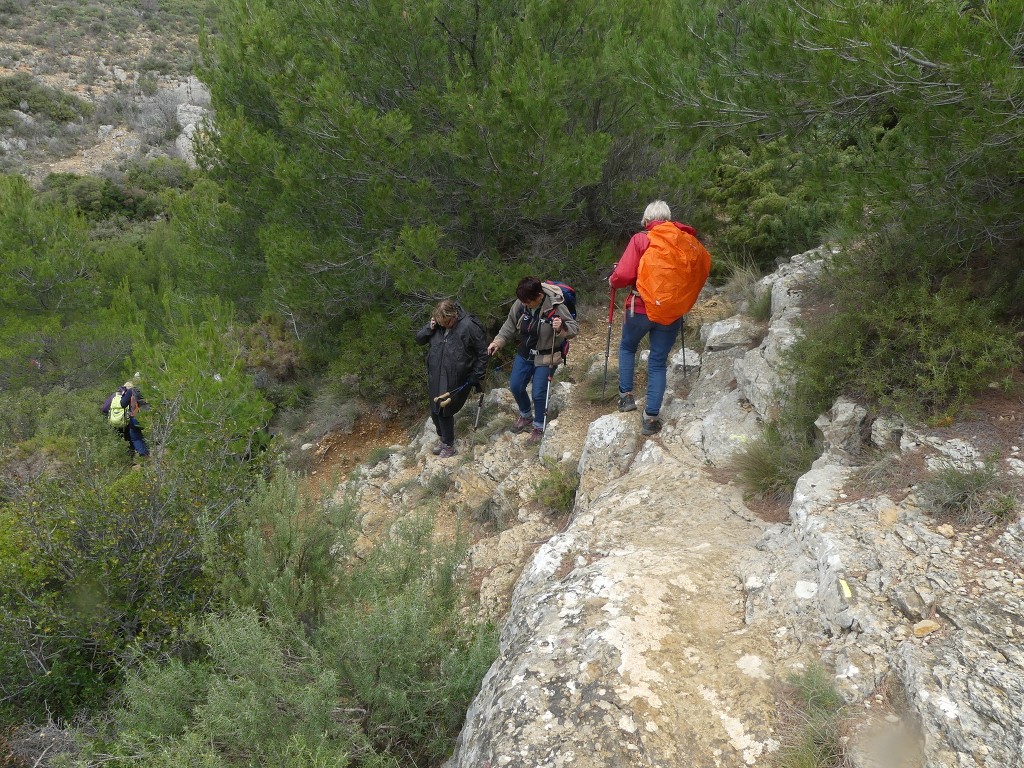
(454, 357)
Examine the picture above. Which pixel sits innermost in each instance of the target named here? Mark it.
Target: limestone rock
(926, 627)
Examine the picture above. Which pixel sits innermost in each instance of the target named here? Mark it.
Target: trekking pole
(479, 408)
(608, 344)
(445, 398)
(551, 375)
(682, 343)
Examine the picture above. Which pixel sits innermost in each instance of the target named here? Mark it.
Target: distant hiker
(543, 322)
(121, 409)
(665, 267)
(456, 364)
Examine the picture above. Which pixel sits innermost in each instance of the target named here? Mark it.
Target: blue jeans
(523, 372)
(133, 434)
(663, 337)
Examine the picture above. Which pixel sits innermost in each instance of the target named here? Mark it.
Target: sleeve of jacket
(508, 329)
(570, 326)
(624, 274)
(478, 343)
(423, 334)
(105, 408)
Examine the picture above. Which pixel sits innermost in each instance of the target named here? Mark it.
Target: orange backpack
(672, 271)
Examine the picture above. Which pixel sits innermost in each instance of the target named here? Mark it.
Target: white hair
(656, 211)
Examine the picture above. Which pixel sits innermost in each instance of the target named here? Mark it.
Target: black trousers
(445, 426)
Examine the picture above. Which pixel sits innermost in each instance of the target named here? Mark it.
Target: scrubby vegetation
(313, 660)
(556, 491)
(768, 468)
(812, 723)
(967, 495)
(368, 161)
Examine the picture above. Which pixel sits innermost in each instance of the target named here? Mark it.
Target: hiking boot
(626, 402)
(652, 425)
(438, 447)
(536, 435)
(446, 452)
(521, 424)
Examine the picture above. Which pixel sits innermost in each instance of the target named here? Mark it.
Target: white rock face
(651, 631)
(625, 642)
(658, 626)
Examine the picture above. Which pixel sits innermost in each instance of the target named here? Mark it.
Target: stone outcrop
(657, 627)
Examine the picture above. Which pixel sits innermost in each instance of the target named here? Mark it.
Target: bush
(94, 196)
(764, 202)
(379, 454)
(769, 468)
(917, 351)
(154, 175)
(813, 723)
(379, 349)
(95, 561)
(22, 89)
(380, 674)
(967, 496)
(556, 491)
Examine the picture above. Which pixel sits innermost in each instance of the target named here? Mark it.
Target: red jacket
(624, 274)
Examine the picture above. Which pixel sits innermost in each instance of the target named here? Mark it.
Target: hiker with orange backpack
(542, 320)
(664, 266)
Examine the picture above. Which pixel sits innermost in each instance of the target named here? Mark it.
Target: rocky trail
(655, 619)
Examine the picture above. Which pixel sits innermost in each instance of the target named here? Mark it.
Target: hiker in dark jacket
(542, 322)
(129, 399)
(456, 363)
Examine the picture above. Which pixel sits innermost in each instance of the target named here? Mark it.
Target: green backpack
(118, 415)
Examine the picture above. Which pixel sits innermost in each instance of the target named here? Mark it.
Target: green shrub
(769, 467)
(96, 561)
(812, 724)
(966, 496)
(13, 6)
(381, 675)
(154, 175)
(760, 308)
(379, 454)
(917, 351)
(154, 64)
(94, 196)
(439, 484)
(764, 201)
(556, 491)
(291, 544)
(41, 99)
(379, 350)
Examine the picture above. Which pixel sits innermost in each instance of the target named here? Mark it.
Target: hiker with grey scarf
(541, 321)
